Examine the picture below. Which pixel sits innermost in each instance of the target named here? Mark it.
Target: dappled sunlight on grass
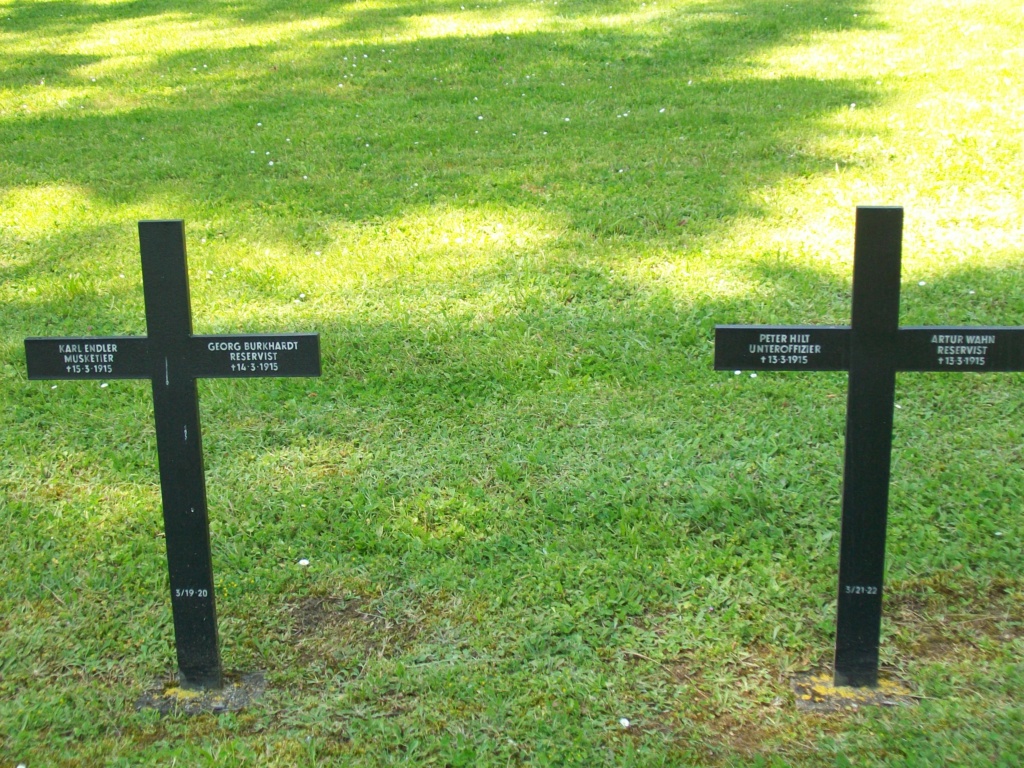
(160, 34)
(528, 507)
(513, 19)
(445, 239)
(32, 211)
(473, 24)
(453, 259)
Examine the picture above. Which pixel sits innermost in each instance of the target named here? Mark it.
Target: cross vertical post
(869, 415)
(172, 358)
(873, 348)
(180, 451)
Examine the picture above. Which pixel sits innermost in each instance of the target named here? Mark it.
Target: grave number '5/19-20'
(191, 593)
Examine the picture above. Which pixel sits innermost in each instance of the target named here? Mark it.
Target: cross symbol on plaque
(873, 348)
(172, 358)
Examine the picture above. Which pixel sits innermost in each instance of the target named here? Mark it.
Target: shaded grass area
(530, 508)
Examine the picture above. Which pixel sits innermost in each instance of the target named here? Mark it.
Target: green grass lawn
(530, 508)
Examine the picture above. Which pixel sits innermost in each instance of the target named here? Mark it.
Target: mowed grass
(531, 510)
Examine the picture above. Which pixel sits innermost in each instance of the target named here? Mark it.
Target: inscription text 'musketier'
(114, 357)
(127, 357)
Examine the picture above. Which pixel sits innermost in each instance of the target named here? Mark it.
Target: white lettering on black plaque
(872, 349)
(173, 358)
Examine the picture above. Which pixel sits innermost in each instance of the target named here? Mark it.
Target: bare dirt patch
(935, 619)
(346, 630)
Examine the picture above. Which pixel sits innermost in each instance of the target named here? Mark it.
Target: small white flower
(270, 163)
(753, 375)
(661, 110)
(624, 722)
(922, 282)
(303, 562)
(737, 373)
(54, 386)
(479, 117)
(999, 533)
(259, 125)
(104, 385)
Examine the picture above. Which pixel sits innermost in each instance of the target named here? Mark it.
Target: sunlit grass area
(530, 509)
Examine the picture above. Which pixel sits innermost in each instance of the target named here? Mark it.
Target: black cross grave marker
(172, 359)
(873, 348)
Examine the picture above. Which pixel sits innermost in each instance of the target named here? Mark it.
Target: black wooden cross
(172, 359)
(873, 348)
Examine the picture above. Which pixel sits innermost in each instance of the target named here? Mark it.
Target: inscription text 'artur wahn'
(872, 348)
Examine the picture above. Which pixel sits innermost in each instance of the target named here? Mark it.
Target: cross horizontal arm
(981, 349)
(782, 348)
(88, 357)
(249, 355)
(127, 357)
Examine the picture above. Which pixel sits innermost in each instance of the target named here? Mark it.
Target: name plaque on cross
(873, 348)
(172, 358)
(212, 357)
(823, 348)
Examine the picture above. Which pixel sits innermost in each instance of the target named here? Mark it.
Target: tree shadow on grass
(555, 485)
(660, 134)
(555, 480)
